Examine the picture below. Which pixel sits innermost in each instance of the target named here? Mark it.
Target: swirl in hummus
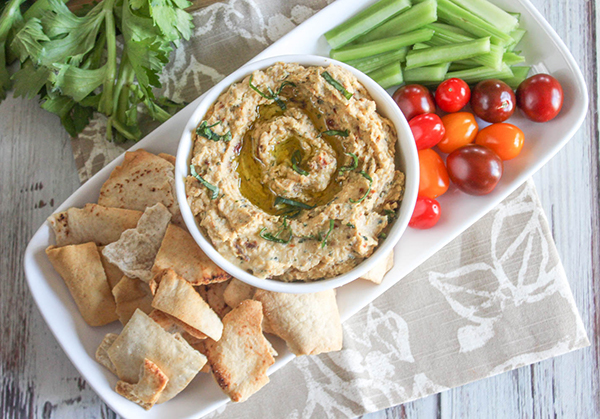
(293, 173)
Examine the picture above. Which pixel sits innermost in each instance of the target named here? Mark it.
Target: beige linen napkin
(494, 299)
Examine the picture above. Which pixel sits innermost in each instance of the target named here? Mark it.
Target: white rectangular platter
(543, 49)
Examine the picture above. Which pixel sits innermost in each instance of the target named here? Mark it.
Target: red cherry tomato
(427, 129)
(461, 129)
(426, 214)
(504, 139)
(493, 100)
(452, 95)
(540, 97)
(413, 100)
(474, 169)
(433, 179)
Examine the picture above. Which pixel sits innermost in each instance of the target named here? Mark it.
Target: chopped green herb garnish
(214, 189)
(296, 160)
(336, 84)
(391, 215)
(280, 200)
(351, 225)
(370, 179)
(275, 237)
(353, 166)
(270, 94)
(204, 130)
(343, 133)
(383, 236)
(324, 241)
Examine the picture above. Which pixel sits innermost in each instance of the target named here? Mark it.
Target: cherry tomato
(493, 100)
(474, 169)
(505, 139)
(427, 129)
(433, 179)
(426, 214)
(413, 100)
(540, 97)
(452, 95)
(461, 129)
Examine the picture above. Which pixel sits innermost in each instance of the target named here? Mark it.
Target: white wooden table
(37, 172)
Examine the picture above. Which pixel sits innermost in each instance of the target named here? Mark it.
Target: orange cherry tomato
(505, 139)
(461, 129)
(433, 180)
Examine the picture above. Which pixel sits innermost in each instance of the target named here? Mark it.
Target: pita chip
(236, 292)
(180, 252)
(149, 387)
(213, 294)
(378, 272)
(102, 352)
(143, 338)
(131, 294)
(136, 249)
(178, 298)
(112, 272)
(92, 223)
(81, 268)
(171, 159)
(141, 181)
(309, 323)
(173, 326)
(239, 361)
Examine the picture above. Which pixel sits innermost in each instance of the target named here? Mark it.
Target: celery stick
(429, 74)
(420, 45)
(376, 61)
(447, 53)
(492, 59)
(417, 16)
(517, 35)
(388, 75)
(490, 13)
(477, 74)
(455, 15)
(353, 52)
(447, 29)
(510, 58)
(515, 15)
(461, 65)
(519, 75)
(365, 21)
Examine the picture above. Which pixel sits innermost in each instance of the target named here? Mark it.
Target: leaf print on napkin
(510, 275)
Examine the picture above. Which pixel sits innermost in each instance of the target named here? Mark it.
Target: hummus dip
(293, 173)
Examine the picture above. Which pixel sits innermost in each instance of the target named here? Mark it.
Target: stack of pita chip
(130, 258)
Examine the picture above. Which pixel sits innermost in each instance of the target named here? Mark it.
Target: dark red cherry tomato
(540, 97)
(493, 100)
(452, 95)
(474, 169)
(427, 129)
(426, 214)
(413, 100)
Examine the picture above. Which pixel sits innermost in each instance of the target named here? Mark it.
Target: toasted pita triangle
(309, 323)
(136, 249)
(378, 272)
(131, 294)
(236, 292)
(141, 181)
(180, 252)
(239, 361)
(92, 223)
(149, 387)
(178, 298)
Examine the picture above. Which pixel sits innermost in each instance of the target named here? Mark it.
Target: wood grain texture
(38, 172)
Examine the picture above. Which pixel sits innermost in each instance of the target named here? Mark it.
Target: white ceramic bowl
(407, 159)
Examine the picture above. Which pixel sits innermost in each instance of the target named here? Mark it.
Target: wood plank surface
(38, 172)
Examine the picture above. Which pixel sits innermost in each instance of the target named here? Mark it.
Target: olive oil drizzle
(249, 167)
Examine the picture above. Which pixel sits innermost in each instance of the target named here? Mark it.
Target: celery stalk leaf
(27, 41)
(28, 81)
(75, 82)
